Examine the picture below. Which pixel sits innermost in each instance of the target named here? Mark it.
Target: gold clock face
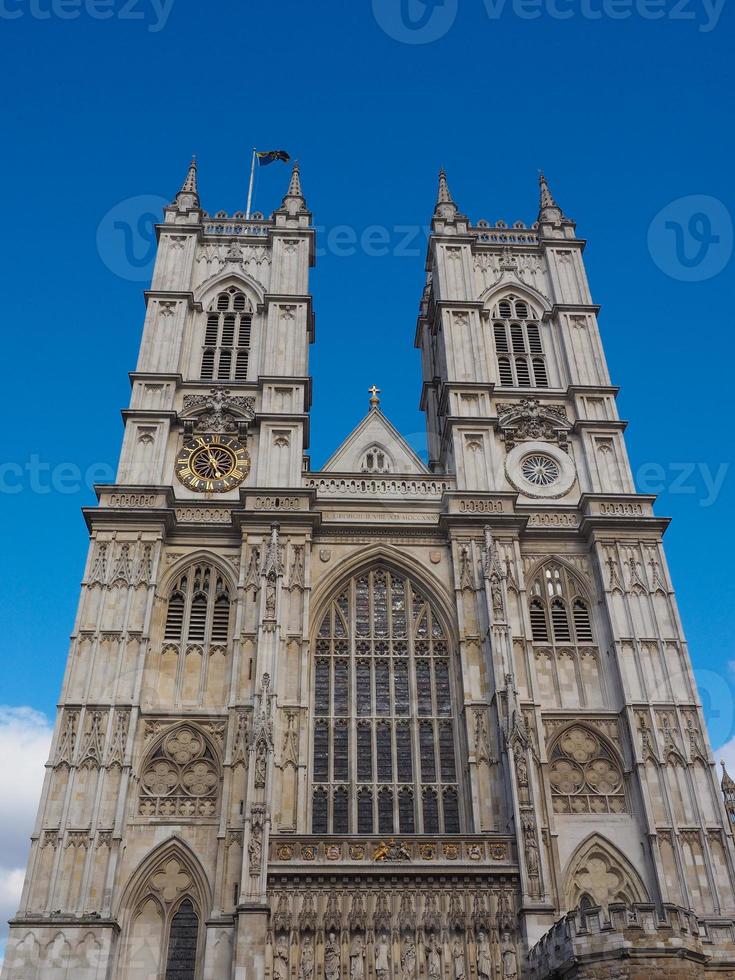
(212, 464)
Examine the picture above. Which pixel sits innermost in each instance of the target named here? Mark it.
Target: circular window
(540, 470)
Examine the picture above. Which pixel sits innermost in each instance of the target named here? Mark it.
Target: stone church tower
(385, 720)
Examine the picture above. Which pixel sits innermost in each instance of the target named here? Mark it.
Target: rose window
(181, 779)
(540, 470)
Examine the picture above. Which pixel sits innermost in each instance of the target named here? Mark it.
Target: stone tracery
(585, 774)
(181, 778)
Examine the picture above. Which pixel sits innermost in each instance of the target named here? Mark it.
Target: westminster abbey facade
(391, 719)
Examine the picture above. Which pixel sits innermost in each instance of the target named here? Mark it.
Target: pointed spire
(188, 196)
(549, 210)
(294, 187)
(445, 206)
(445, 196)
(727, 783)
(294, 201)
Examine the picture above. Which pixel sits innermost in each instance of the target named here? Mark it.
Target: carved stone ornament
(529, 420)
(218, 411)
(392, 850)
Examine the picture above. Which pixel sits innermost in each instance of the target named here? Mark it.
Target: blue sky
(627, 115)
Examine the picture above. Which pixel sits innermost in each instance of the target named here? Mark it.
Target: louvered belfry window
(198, 607)
(384, 753)
(518, 346)
(226, 350)
(556, 612)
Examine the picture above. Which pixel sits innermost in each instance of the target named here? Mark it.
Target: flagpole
(250, 188)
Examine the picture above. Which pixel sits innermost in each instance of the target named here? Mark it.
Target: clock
(214, 463)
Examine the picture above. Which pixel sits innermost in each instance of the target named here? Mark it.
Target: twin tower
(389, 719)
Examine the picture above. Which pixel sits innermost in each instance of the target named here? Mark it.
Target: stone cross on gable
(374, 400)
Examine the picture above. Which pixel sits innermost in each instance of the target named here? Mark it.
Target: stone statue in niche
(521, 767)
(332, 958)
(484, 957)
(270, 597)
(531, 849)
(357, 958)
(306, 970)
(382, 963)
(280, 959)
(458, 962)
(255, 851)
(260, 765)
(509, 959)
(496, 591)
(433, 960)
(408, 959)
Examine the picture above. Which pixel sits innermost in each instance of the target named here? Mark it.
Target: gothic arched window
(385, 742)
(376, 460)
(555, 599)
(181, 960)
(190, 667)
(198, 606)
(226, 350)
(517, 332)
(567, 659)
(162, 938)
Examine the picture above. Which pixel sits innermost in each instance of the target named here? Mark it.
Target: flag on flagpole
(270, 156)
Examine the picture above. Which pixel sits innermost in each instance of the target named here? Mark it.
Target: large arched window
(163, 935)
(384, 745)
(226, 349)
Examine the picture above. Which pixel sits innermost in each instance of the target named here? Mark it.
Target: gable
(375, 446)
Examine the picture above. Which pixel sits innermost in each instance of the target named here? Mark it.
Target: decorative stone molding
(417, 850)
(531, 421)
(203, 515)
(428, 488)
(218, 411)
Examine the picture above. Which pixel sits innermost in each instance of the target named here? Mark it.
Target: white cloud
(726, 753)
(25, 737)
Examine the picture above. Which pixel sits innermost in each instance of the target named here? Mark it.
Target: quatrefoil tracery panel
(181, 779)
(585, 776)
